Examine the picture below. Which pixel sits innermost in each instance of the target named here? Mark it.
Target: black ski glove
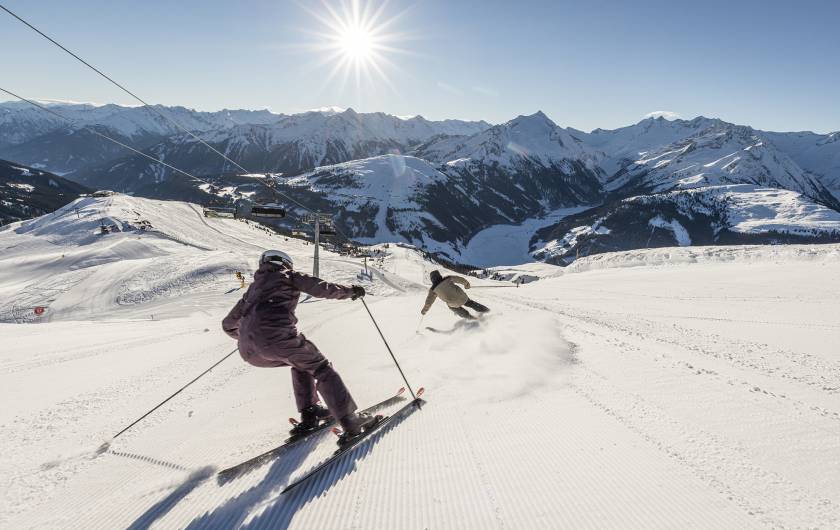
(358, 292)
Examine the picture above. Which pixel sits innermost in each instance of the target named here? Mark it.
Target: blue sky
(772, 65)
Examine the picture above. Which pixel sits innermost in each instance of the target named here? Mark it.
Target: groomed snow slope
(156, 250)
(702, 393)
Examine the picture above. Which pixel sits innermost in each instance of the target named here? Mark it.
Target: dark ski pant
(472, 304)
(312, 374)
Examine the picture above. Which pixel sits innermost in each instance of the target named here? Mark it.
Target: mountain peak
(537, 119)
(329, 110)
(540, 115)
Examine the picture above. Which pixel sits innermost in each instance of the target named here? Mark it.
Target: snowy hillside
(27, 192)
(713, 215)
(667, 388)
(378, 197)
(149, 251)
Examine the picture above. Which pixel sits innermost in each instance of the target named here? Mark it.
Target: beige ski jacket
(449, 292)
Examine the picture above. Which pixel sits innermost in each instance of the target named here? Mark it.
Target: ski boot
(310, 419)
(355, 425)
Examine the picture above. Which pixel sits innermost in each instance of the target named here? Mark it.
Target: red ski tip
(420, 391)
(336, 431)
(400, 391)
(293, 421)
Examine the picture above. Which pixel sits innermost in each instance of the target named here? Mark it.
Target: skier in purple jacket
(264, 323)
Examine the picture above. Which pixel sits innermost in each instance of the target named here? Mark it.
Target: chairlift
(268, 211)
(219, 211)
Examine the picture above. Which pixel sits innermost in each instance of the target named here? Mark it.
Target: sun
(357, 40)
(357, 44)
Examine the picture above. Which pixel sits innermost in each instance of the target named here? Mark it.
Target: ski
(228, 474)
(406, 409)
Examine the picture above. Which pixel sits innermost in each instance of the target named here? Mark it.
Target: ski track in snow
(695, 395)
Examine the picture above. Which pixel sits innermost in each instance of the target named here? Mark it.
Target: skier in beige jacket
(447, 290)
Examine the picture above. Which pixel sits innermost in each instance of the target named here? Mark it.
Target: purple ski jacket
(264, 320)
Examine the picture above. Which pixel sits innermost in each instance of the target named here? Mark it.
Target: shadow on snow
(263, 502)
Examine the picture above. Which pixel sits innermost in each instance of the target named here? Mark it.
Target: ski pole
(138, 420)
(407, 385)
(420, 323)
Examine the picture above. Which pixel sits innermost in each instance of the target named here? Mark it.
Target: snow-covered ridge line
(680, 256)
(132, 121)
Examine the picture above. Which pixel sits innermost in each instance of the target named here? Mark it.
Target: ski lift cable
(121, 87)
(105, 136)
(156, 111)
(149, 107)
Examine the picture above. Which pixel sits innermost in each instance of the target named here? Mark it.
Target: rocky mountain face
(818, 154)
(530, 160)
(714, 153)
(27, 192)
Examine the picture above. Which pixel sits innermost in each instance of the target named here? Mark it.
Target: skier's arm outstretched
(430, 299)
(462, 281)
(322, 289)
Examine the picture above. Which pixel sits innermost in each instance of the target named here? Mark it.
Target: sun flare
(357, 41)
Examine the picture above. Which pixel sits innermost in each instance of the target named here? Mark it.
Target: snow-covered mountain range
(255, 139)
(438, 184)
(658, 155)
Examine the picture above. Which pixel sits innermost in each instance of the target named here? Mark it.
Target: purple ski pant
(312, 374)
